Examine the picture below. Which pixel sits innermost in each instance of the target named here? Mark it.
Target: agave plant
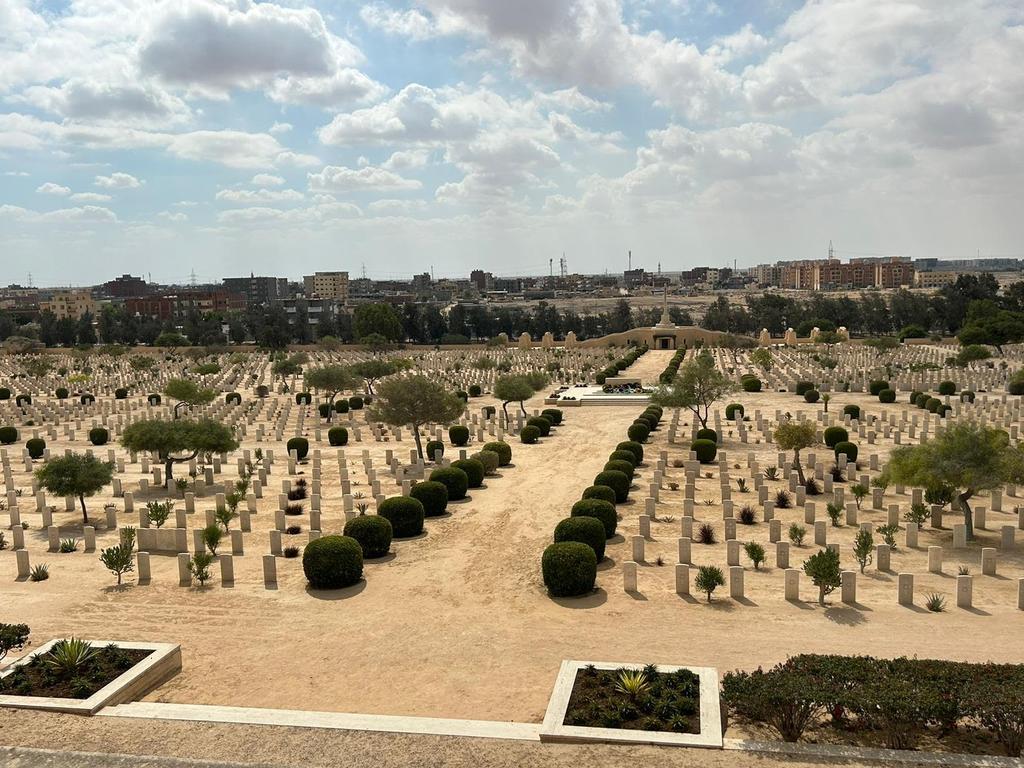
(935, 603)
(632, 683)
(68, 656)
(771, 473)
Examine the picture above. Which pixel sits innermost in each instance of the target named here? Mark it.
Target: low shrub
(947, 388)
(337, 436)
(529, 435)
(554, 415)
(625, 467)
(432, 495)
(636, 448)
(853, 411)
(617, 481)
(569, 568)
(341, 406)
(405, 515)
(356, 402)
(332, 562)
(61, 393)
(300, 445)
(458, 434)
(503, 449)
(8, 435)
(599, 509)
(474, 390)
(99, 436)
(812, 396)
(706, 434)
(835, 435)
(638, 432)
(933, 404)
(584, 529)
(846, 448)
(877, 385)
(121, 393)
(373, 532)
(303, 398)
(474, 469)
(628, 456)
(706, 450)
(603, 492)
(887, 396)
(434, 448)
(732, 410)
(21, 400)
(86, 399)
(35, 447)
(751, 384)
(233, 398)
(967, 396)
(921, 400)
(540, 423)
(5, 393)
(803, 387)
(454, 479)
(324, 409)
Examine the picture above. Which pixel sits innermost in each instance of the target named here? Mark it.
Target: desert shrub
(853, 411)
(933, 404)
(356, 402)
(61, 393)
(887, 396)
(324, 409)
(947, 388)
(341, 406)
(332, 562)
(835, 435)
(337, 436)
(967, 396)
(782, 698)
(627, 456)
(454, 479)
(433, 446)
(8, 435)
(877, 385)
(847, 448)
(405, 515)
(584, 529)
(751, 384)
(783, 500)
(540, 423)
(748, 516)
(706, 534)
(529, 435)
(489, 459)
(432, 495)
(554, 415)
(300, 445)
(99, 436)
(458, 434)
(706, 434)
(625, 467)
(811, 487)
(373, 532)
(617, 481)
(803, 387)
(706, 450)
(474, 390)
(35, 447)
(636, 448)
(599, 509)
(732, 410)
(603, 492)
(233, 398)
(569, 568)
(812, 395)
(121, 393)
(638, 432)
(709, 578)
(503, 449)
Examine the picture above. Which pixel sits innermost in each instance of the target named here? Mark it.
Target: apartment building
(327, 285)
(71, 303)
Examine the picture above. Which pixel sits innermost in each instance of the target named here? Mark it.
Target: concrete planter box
(162, 539)
(133, 683)
(554, 728)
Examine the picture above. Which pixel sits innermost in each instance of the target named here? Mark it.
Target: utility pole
(831, 252)
(630, 260)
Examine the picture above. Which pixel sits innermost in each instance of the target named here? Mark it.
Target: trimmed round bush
(474, 390)
(569, 569)
(648, 419)
(36, 446)
(733, 410)
(300, 445)
(21, 400)
(921, 400)
(623, 455)
(373, 532)
(617, 481)
(877, 385)
(433, 446)
(812, 396)
(489, 459)
(835, 435)
(154, 398)
(99, 436)
(847, 448)
(638, 432)
(933, 404)
(356, 402)
(625, 467)
(454, 479)
(233, 398)
(540, 423)
(337, 436)
(706, 450)
(554, 415)
(751, 384)
(600, 509)
(942, 410)
(262, 390)
(405, 515)
(967, 396)
(947, 388)
(1015, 386)
(458, 434)
(324, 409)
(887, 396)
(432, 495)
(636, 448)
(462, 395)
(86, 399)
(803, 387)
(332, 562)
(488, 411)
(656, 410)
(503, 449)
(586, 530)
(121, 393)
(303, 398)
(853, 411)
(474, 471)
(913, 395)
(61, 393)
(341, 406)
(8, 435)
(5, 393)
(602, 492)
(706, 434)
(529, 434)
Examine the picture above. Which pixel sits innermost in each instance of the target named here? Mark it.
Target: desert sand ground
(457, 623)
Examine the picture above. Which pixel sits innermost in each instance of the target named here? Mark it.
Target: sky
(168, 138)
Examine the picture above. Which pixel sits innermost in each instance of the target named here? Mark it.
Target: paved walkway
(21, 757)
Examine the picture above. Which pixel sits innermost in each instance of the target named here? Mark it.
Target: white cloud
(57, 190)
(118, 180)
(251, 197)
(138, 103)
(340, 179)
(174, 217)
(407, 160)
(345, 87)
(90, 197)
(236, 149)
(267, 180)
(280, 128)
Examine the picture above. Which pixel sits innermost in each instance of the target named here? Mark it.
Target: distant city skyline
(284, 138)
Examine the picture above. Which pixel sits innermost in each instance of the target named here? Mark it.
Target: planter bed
(677, 706)
(115, 673)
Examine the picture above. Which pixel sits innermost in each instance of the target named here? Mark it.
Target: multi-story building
(258, 291)
(483, 281)
(931, 279)
(175, 305)
(327, 285)
(71, 303)
(894, 273)
(124, 287)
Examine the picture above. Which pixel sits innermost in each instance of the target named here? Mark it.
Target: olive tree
(697, 385)
(331, 379)
(174, 442)
(76, 474)
(794, 436)
(188, 394)
(967, 457)
(415, 400)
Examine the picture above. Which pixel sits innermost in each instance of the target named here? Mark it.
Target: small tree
(120, 559)
(187, 394)
(212, 534)
(709, 578)
(734, 343)
(513, 389)
(371, 371)
(794, 436)
(199, 567)
(159, 511)
(762, 358)
(697, 385)
(331, 379)
(863, 546)
(177, 441)
(76, 474)
(755, 552)
(287, 367)
(415, 400)
(823, 570)
(859, 491)
(967, 457)
(13, 637)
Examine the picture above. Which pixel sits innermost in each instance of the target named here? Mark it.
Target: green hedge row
(614, 369)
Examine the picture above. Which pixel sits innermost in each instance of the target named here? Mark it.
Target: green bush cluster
(812, 396)
(877, 385)
(337, 436)
(733, 410)
(99, 436)
(600, 509)
(332, 562)
(432, 495)
(541, 423)
(459, 435)
(706, 450)
(8, 435)
(405, 514)
(617, 367)
(750, 383)
(454, 479)
(803, 387)
(853, 411)
(947, 388)
(298, 444)
(373, 532)
(668, 375)
(569, 568)
(835, 435)
(529, 434)
(584, 529)
(474, 471)
(433, 446)
(36, 447)
(887, 396)
(503, 449)
(847, 448)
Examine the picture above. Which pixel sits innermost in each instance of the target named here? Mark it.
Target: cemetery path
(650, 365)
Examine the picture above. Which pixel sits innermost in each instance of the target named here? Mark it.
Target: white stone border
(710, 735)
(163, 662)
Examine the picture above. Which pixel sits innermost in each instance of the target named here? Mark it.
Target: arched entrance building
(664, 335)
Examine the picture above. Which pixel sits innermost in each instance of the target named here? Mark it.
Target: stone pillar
(629, 575)
(964, 591)
(792, 578)
(905, 588)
